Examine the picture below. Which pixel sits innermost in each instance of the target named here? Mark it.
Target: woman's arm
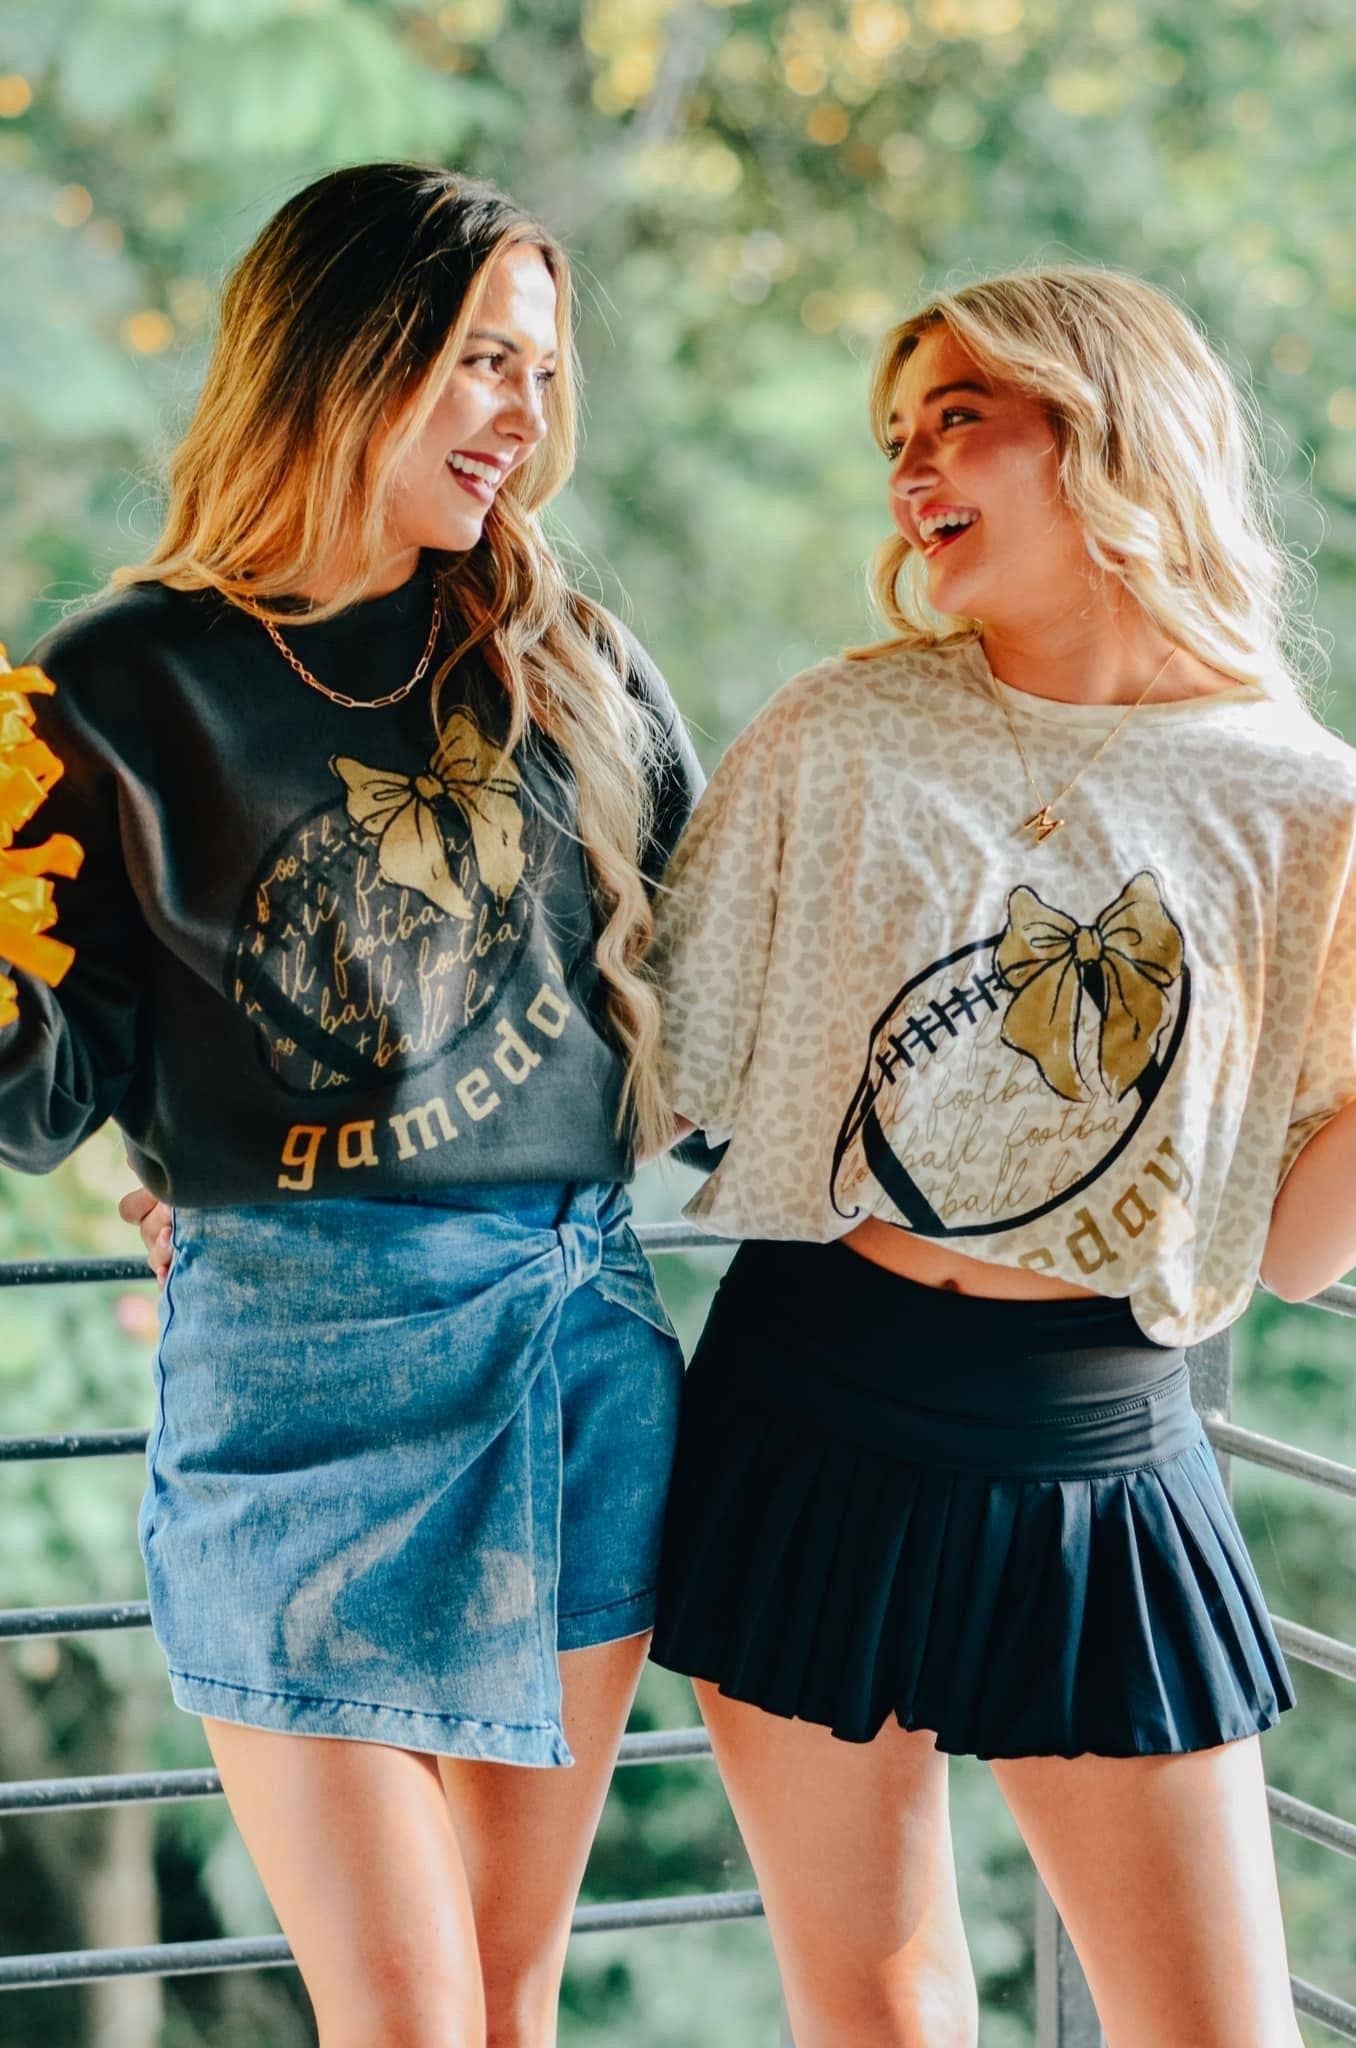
(1312, 1239)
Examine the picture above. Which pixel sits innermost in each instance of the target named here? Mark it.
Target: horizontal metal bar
(1339, 1299)
(666, 1746)
(683, 1237)
(701, 1909)
(1330, 2012)
(1326, 1653)
(199, 1958)
(165, 1959)
(1319, 1826)
(72, 1621)
(66, 1272)
(656, 1237)
(1281, 1457)
(61, 1795)
(196, 1958)
(1226, 1435)
(94, 1443)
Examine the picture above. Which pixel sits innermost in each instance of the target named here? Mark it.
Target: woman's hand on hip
(152, 1218)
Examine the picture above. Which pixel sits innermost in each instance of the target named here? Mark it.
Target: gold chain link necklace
(1043, 821)
(338, 696)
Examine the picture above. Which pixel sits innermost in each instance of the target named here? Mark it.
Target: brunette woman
(372, 801)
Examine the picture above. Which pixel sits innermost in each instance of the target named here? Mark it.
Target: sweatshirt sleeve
(1327, 1079)
(66, 1062)
(715, 916)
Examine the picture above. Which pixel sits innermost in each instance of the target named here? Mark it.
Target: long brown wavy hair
(339, 328)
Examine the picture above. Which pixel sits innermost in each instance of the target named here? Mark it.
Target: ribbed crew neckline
(394, 608)
(1100, 717)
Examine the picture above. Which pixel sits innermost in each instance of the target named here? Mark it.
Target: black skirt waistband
(1043, 1389)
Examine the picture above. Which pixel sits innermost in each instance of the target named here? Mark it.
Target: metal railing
(1065, 2014)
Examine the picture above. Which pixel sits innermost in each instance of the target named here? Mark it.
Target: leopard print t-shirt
(1093, 1054)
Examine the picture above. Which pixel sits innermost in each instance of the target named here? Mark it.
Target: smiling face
(974, 487)
(489, 417)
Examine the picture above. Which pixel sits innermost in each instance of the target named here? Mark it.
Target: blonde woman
(1016, 959)
(372, 802)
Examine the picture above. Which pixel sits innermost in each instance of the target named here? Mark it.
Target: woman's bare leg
(525, 1837)
(852, 1846)
(1162, 1871)
(356, 1851)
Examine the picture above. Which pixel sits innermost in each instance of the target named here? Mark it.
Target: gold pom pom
(28, 769)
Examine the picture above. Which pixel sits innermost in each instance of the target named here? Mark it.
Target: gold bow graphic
(1045, 958)
(398, 811)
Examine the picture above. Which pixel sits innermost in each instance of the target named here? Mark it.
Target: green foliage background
(753, 191)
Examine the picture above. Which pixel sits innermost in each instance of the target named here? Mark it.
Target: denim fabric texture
(403, 1453)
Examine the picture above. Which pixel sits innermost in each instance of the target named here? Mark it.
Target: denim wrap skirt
(997, 1520)
(402, 1454)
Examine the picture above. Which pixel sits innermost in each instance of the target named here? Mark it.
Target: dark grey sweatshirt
(319, 951)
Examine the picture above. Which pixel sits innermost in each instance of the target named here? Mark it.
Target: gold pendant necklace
(338, 696)
(1043, 823)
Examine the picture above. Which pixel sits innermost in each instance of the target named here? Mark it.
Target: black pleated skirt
(997, 1520)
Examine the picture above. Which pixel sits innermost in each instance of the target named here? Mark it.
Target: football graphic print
(1004, 1079)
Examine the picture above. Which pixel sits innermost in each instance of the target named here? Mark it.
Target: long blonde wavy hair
(1160, 460)
(339, 328)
